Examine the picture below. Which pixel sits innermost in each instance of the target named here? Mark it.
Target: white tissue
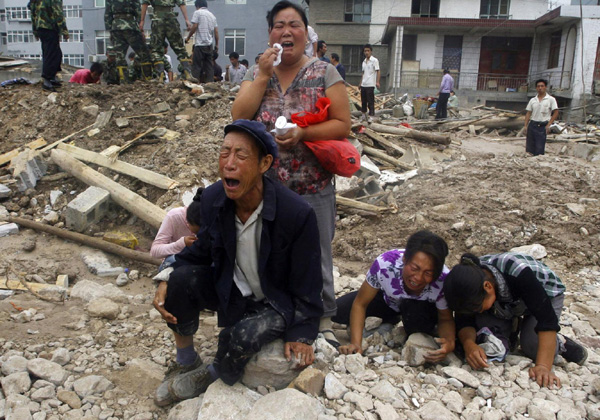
(278, 60)
(282, 126)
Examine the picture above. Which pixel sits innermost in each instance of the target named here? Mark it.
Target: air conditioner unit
(92, 58)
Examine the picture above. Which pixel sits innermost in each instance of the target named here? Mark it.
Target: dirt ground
(488, 198)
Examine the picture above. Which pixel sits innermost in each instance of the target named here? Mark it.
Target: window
(75, 60)
(425, 8)
(554, 49)
(102, 41)
(357, 11)
(494, 9)
(72, 11)
(74, 36)
(99, 3)
(235, 40)
(409, 47)
(14, 37)
(18, 13)
(4, 38)
(31, 56)
(352, 58)
(2, 15)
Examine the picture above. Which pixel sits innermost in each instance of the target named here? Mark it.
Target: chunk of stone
(91, 110)
(122, 122)
(161, 107)
(98, 264)
(434, 410)
(355, 363)
(384, 391)
(363, 402)
(16, 383)
(536, 251)
(310, 381)
(9, 229)
(61, 355)
(103, 308)
(44, 393)
(14, 364)
(386, 411)
(223, 402)
(51, 218)
(122, 280)
(88, 290)
(92, 385)
(327, 350)
(453, 401)
(287, 404)
(576, 208)
(269, 367)
(186, 410)
(334, 389)
(47, 370)
(416, 347)
(462, 375)
(70, 398)
(372, 323)
(5, 192)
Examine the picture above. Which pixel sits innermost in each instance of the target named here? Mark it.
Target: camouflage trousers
(123, 39)
(110, 74)
(166, 26)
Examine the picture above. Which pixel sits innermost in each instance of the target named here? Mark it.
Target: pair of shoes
(191, 384)
(56, 82)
(325, 328)
(163, 395)
(47, 85)
(574, 352)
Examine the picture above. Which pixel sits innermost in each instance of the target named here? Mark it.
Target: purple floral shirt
(386, 275)
(297, 168)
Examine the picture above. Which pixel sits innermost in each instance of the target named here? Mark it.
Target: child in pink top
(85, 76)
(178, 230)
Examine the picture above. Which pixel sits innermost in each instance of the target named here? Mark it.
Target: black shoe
(47, 85)
(56, 82)
(574, 352)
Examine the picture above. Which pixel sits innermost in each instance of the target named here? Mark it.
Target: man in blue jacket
(256, 261)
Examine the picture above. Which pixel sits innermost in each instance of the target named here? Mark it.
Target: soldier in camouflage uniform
(110, 75)
(121, 19)
(165, 25)
(48, 24)
(135, 70)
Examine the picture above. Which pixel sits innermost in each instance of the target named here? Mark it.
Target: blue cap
(258, 131)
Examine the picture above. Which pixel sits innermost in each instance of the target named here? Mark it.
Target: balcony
(489, 82)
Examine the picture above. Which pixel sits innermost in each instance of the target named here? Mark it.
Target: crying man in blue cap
(256, 262)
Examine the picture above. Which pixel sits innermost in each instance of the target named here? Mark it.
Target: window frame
(554, 49)
(235, 37)
(352, 58)
(19, 37)
(99, 3)
(354, 11)
(75, 60)
(104, 37)
(72, 11)
(494, 14)
(21, 14)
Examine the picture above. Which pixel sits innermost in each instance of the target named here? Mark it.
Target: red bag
(339, 157)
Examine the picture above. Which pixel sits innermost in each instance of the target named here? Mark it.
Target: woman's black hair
(463, 286)
(194, 210)
(285, 5)
(429, 243)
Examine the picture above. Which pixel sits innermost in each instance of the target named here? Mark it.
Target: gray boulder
(269, 367)
(287, 404)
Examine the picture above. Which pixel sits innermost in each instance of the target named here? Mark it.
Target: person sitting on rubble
(177, 231)
(256, 261)
(496, 297)
(403, 284)
(453, 104)
(85, 76)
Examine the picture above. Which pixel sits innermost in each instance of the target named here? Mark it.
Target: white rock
(434, 410)
(186, 410)
(517, 405)
(223, 402)
(322, 346)
(355, 363)
(540, 413)
(372, 323)
(14, 364)
(92, 385)
(269, 367)
(384, 391)
(21, 413)
(568, 413)
(287, 404)
(103, 308)
(334, 389)
(44, 393)
(583, 328)
(461, 375)
(453, 401)
(386, 411)
(416, 347)
(51, 218)
(87, 290)
(492, 414)
(61, 355)
(537, 251)
(47, 370)
(54, 196)
(16, 383)
(363, 402)
(433, 379)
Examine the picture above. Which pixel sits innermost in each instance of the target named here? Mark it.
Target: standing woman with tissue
(295, 85)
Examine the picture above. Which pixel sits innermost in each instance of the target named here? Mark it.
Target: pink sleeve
(163, 244)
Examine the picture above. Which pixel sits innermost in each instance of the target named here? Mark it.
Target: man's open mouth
(232, 182)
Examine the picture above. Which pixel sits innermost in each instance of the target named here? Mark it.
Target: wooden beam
(384, 157)
(413, 134)
(88, 240)
(34, 145)
(6, 284)
(127, 199)
(142, 174)
(384, 141)
(347, 202)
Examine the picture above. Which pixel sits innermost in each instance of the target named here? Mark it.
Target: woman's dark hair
(429, 243)
(463, 286)
(285, 5)
(194, 210)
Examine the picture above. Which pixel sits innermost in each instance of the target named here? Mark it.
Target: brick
(87, 208)
(27, 168)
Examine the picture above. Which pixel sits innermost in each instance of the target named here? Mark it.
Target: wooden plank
(6, 284)
(62, 281)
(110, 150)
(385, 158)
(34, 145)
(142, 174)
(383, 140)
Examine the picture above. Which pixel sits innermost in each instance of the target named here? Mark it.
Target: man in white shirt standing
(204, 24)
(311, 46)
(370, 80)
(542, 110)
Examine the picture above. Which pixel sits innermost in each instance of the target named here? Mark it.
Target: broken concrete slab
(87, 208)
(585, 151)
(98, 264)
(5, 192)
(27, 168)
(102, 119)
(8, 229)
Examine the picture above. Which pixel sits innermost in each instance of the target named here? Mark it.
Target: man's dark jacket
(289, 265)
